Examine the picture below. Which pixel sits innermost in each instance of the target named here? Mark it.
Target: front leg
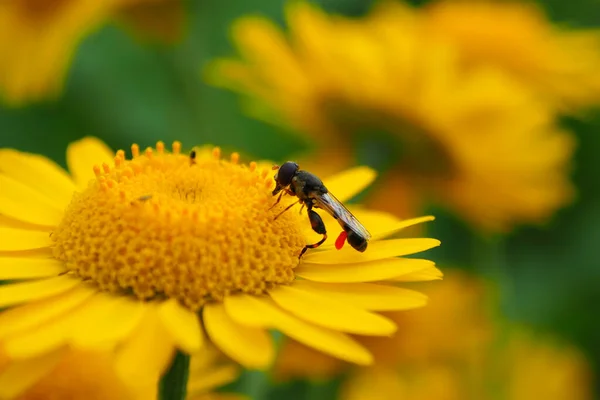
(317, 224)
(287, 208)
(283, 191)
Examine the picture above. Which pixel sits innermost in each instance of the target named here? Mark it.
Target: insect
(311, 193)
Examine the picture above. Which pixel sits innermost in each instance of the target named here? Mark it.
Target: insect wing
(333, 206)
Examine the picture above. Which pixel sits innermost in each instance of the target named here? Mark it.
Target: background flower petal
(349, 183)
(20, 375)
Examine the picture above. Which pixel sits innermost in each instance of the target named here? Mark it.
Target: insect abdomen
(316, 222)
(357, 241)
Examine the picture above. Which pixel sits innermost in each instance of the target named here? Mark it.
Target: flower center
(42, 9)
(394, 138)
(163, 224)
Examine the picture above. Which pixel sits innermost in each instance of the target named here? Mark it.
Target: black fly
(311, 193)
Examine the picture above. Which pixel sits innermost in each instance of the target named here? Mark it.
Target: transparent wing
(333, 206)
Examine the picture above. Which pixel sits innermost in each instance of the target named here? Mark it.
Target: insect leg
(317, 224)
(301, 208)
(287, 208)
(278, 200)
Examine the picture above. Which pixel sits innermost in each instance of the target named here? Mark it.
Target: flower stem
(173, 386)
(490, 261)
(257, 384)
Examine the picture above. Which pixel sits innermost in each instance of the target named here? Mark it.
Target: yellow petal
(12, 239)
(377, 250)
(349, 183)
(29, 316)
(204, 359)
(44, 252)
(212, 378)
(182, 324)
(38, 173)
(262, 312)
(28, 268)
(83, 154)
(362, 272)
(330, 313)
(430, 273)
(110, 320)
(10, 222)
(369, 296)
(146, 354)
(20, 375)
(251, 347)
(53, 334)
(384, 231)
(24, 203)
(16, 293)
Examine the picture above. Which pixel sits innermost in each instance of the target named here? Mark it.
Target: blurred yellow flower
(453, 350)
(90, 375)
(541, 367)
(126, 253)
(558, 62)
(527, 367)
(474, 140)
(75, 375)
(162, 20)
(38, 38)
(209, 370)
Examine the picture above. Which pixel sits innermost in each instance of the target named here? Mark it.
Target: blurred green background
(124, 91)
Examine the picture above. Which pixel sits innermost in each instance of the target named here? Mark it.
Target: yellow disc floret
(194, 229)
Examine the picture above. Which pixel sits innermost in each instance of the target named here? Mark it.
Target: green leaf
(173, 386)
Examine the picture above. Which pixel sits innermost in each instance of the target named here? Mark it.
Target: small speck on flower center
(162, 224)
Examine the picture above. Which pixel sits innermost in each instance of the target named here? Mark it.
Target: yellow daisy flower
(127, 254)
(516, 36)
(476, 141)
(38, 38)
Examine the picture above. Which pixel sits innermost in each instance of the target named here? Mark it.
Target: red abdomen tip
(339, 242)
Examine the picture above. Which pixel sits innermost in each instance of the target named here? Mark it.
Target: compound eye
(286, 173)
